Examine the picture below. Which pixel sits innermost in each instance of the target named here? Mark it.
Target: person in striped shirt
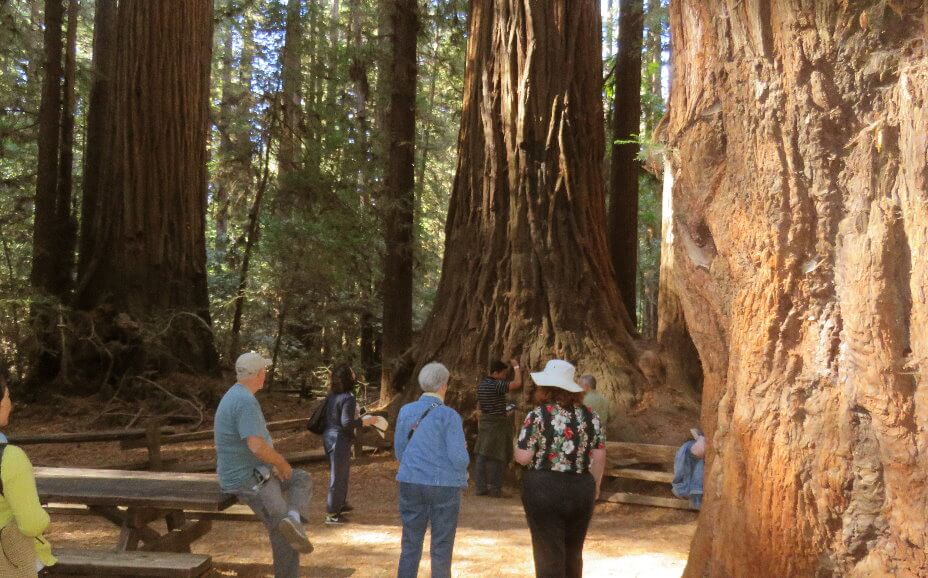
(494, 429)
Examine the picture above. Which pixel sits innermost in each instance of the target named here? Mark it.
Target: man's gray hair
(588, 380)
(433, 376)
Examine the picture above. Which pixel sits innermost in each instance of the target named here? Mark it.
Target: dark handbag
(316, 423)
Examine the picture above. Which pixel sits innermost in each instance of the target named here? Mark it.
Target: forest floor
(492, 539)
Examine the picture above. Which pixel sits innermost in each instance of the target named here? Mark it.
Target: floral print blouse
(563, 439)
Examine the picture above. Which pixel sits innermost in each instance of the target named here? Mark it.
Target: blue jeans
(338, 450)
(421, 505)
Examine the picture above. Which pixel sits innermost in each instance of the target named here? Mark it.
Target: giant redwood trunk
(526, 269)
(398, 200)
(146, 246)
(798, 154)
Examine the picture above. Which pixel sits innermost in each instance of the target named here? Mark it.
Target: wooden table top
(158, 490)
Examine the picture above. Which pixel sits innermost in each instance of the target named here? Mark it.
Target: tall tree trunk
(47, 225)
(99, 123)
(625, 168)
(290, 155)
(399, 198)
(526, 268)
(67, 224)
(797, 133)
(147, 240)
(225, 173)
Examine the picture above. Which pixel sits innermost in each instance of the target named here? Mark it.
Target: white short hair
(433, 376)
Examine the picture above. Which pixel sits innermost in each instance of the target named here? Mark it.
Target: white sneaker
(295, 535)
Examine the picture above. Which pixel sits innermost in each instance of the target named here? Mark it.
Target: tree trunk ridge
(797, 155)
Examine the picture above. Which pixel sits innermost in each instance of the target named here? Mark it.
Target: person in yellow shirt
(22, 519)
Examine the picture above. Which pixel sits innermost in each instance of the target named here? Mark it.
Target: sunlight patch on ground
(634, 566)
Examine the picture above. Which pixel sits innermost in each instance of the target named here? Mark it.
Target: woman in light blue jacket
(429, 444)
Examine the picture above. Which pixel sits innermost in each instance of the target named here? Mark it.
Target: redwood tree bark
(526, 268)
(147, 248)
(399, 199)
(98, 124)
(624, 170)
(46, 272)
(798, 158)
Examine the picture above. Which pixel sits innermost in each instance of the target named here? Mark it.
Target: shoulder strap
(2, 447)
(415, 425)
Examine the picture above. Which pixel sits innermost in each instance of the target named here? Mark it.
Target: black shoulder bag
(316, 423)
(2, 447)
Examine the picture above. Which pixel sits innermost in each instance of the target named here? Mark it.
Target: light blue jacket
(437, 453)
(687, 475)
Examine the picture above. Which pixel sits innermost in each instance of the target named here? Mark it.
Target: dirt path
(492, 538)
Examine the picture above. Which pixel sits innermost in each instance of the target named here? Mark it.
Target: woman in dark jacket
(341, 419)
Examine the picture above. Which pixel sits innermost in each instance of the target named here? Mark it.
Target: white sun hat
(557, 373)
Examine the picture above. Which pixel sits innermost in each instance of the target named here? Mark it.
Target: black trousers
(558, 507)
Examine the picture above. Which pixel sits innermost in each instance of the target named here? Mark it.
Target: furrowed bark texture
(399, 198)
(147, 247)
(526, 269)
(800, 190)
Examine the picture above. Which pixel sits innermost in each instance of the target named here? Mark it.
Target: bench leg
(128, 540)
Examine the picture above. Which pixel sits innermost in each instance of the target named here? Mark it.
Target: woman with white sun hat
(563, 446)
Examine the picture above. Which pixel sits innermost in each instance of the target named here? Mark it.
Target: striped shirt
(491, 396)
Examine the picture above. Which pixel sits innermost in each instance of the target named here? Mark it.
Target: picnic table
(134, 500)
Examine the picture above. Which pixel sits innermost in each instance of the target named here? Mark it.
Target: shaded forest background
(297, 206)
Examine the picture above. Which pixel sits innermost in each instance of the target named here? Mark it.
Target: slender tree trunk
(278, 339)
(426, 130)
(226, 171)
(654, 62)
(67, 224)
(800, 228)
(47, 227)
(147, 245)
(332, 64)
(99, 123)
(290, 148)
(625, 168)
(526, 269)
(399, 197)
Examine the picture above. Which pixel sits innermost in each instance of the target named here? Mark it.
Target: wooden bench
(149, 564)
(624, 461)
(236, 513)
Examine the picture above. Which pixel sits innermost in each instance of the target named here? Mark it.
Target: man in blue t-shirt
(251, 469)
